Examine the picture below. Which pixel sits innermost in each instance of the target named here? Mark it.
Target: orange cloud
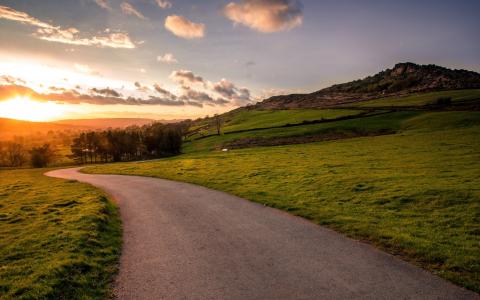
(128, 9)
(103, 4)
(185, 77)
(168, 58)
(182, 27)
(164, 4)
(265, 15)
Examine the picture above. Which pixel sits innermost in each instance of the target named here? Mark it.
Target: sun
(24, 108)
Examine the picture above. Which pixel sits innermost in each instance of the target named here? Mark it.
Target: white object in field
(224, 149)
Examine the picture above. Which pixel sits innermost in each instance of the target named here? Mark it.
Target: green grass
(253, 119)
(250, 119)
(59, 239)
(391, 121)
(442, 120)
(420, 99)
(415, 194)
(62, 156)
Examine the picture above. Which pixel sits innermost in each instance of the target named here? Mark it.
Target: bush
(41, 156)
(442, 101)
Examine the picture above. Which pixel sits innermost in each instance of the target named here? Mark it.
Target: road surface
(183, 241)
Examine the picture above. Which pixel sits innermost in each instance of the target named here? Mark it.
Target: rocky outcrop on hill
(402, 79)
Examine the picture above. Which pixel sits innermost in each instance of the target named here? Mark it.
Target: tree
(41, 156)
(218, 123)
(15, 154)
(131, 143)
(444, 101)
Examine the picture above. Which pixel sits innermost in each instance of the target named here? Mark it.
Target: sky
(176, 59)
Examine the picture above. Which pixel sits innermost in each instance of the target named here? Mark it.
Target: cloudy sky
(184, 59)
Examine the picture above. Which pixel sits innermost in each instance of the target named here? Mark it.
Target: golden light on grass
(24, 108)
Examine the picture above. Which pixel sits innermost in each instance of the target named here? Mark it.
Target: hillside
(402, 79)
(104, 123)
(11, 127)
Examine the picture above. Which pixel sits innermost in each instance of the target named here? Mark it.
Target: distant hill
(11, 127)
(104, 123)
(402, 79)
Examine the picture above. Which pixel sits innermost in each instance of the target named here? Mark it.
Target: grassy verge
(415, 194)
(59, 239)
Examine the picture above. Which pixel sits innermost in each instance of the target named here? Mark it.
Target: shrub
(444, 101)
(41, 156)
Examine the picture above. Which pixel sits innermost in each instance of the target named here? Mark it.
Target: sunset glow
(24, 108)
(167, 60)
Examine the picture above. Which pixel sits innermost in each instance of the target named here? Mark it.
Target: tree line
(132, 143)
(14, 154)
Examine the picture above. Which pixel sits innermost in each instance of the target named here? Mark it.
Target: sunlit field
(59, 239)
(415, 193)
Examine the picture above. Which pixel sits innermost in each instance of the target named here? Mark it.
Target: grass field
(249, 119)
(421, 99)
(253, 119)
(390, 121)
(415, 193)
(59, 239)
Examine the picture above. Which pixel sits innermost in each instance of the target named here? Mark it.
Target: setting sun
(24, 108)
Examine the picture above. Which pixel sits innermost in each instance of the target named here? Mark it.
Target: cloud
(141, 88)
(267, 93)
(70, 35)
(103, 4)
(163, 91)
(7, 79)
(200, 97)
(265, 15)
(18, 16)
(57, 89)
(106, 92)
(85, 69)
(74, 97)
(164, 4)
(185, 77)
(128, 9)
(225, 88)
(182, 27)
(167, 58)
(228, 90)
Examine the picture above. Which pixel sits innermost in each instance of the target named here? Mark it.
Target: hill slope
(104, 123)
(402, 79)
(12, 127)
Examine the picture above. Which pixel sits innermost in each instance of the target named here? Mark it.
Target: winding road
(183, 241)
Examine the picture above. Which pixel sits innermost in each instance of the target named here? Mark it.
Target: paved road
(183, 241)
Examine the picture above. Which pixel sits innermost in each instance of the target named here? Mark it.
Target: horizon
(177, 60)
(239, 149)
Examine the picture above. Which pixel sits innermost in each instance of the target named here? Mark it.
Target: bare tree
(15, 154)
(218, 123)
